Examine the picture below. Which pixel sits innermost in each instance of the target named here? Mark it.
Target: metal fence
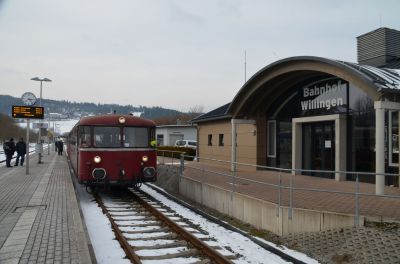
(284, 184)
(168, 157)
(15, 155)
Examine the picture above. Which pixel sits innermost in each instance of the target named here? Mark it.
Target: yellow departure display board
(34, 112)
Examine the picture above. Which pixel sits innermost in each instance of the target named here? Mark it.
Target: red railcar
(113, 150)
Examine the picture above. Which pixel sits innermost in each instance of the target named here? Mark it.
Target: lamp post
(48, 133)
(41, 80)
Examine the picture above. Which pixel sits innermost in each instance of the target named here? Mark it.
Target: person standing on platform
(21, 151)
(9, 149)
(60, 147)
(56, 145)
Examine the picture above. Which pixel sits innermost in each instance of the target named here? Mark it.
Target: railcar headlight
(145, 158)
(121, 120)
(97, 159)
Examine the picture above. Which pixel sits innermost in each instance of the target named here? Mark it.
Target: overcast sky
(170, 53)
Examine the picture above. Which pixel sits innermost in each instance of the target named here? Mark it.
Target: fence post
(290, 197)
(163, 158)
(279, 194)
(233, 183)
(181, 167)
(357, 213)
(202, 183)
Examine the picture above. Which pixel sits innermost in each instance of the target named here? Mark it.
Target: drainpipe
(234, 141)
(379, 148)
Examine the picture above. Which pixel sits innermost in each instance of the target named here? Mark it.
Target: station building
(313, 113)
(167, 135)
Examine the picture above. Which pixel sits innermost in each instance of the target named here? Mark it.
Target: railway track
(152, 233)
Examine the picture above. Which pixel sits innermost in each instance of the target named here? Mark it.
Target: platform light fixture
(41, 80)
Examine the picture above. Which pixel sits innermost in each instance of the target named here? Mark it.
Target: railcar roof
(113, 120)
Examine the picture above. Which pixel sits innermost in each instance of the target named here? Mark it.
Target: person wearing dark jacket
(60, 147)
(9, 149)
(21, 151)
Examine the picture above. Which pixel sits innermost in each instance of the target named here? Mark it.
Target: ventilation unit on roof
(379, 47)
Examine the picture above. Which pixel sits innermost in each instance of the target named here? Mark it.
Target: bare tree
(197, 109)
(10, 129)
(183, 118)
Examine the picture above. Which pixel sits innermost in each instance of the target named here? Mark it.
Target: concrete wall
(262, 214)
(246, 141)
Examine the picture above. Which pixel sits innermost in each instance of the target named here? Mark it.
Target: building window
(209, 139)
(160, 140)
(272, 139)
(221, 140)
(393, 138)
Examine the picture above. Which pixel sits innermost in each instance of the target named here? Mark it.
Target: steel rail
(187, 236)
(130, 253)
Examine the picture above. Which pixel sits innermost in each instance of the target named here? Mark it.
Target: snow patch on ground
(31, 150)
(106, 248)
(60, 126)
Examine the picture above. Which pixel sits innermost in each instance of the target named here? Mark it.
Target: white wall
(188, 132)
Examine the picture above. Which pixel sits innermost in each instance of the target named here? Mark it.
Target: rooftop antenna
(245, 77)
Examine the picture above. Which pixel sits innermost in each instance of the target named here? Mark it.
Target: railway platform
(40, 221)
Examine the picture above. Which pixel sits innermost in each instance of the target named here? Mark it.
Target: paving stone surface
(39, 215)
(367, 244)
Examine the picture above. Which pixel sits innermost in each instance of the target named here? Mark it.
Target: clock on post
(28, 98)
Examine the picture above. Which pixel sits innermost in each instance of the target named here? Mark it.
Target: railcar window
(136, 137)
(106, 137)
(84, 137)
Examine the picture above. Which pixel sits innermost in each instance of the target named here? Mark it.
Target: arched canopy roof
(273, 80)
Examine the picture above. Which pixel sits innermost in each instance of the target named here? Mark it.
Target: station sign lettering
(33, 112)
(324, 97)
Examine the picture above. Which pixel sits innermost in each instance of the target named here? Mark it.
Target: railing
(169, 155)
(30, 152)
(284, 181)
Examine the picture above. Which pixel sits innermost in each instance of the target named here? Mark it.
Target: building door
(319, 148)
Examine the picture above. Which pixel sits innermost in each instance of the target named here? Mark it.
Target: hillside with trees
(67, 110)
(181, 118)
(74, 109)
(9, 128)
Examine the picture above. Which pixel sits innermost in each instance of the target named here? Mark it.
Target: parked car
(186, 143)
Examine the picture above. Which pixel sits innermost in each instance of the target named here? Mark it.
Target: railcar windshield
(106, 137)
(136, 137)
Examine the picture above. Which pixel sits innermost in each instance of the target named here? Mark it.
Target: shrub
(175, 152)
